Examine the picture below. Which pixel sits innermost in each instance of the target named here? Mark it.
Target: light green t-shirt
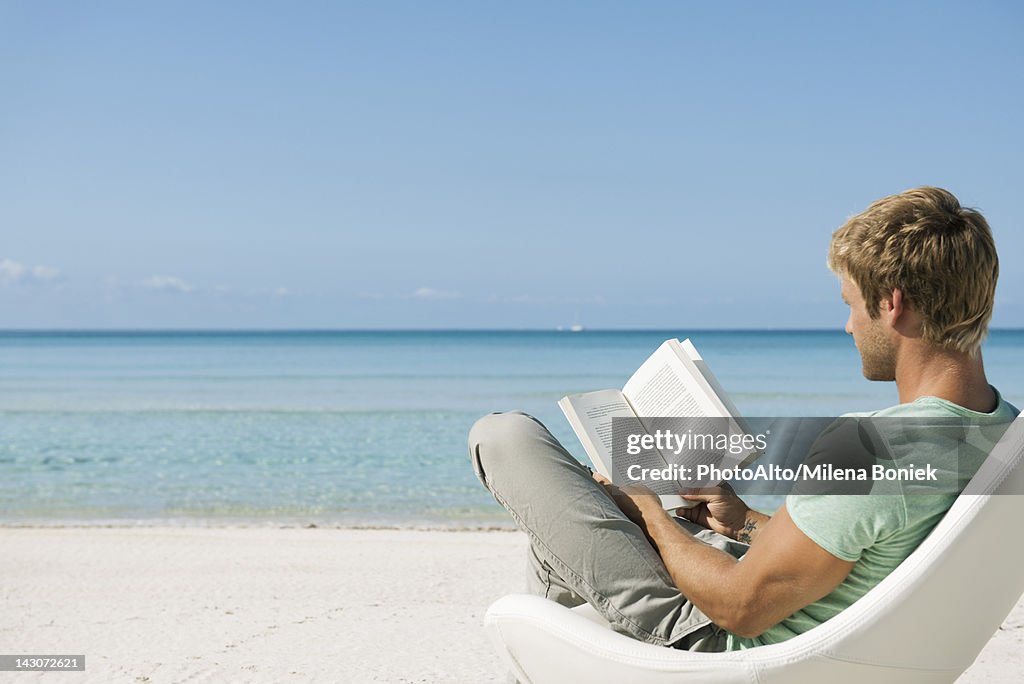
(879, 530)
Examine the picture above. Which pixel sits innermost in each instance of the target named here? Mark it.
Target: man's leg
(581, 540)
(543, 580)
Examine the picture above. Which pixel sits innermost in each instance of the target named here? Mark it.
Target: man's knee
(497, 435)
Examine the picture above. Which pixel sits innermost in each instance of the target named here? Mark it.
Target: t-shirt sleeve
(845, 524)
(843, 517)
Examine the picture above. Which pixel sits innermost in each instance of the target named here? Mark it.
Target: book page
(669, 384)
(685, 349)
(591, 415)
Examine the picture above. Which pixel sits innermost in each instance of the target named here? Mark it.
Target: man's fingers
(705, 493)
(694, 515)
(607, 484)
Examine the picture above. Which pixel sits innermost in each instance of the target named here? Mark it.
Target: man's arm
(780, 574)
(783, 571)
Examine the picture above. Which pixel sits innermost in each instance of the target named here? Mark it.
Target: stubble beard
(877, 355)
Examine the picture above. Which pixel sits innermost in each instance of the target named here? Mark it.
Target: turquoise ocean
(347, 428)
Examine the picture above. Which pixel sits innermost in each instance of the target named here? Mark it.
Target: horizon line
(4, 331)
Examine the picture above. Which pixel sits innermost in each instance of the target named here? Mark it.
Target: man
(918, 273)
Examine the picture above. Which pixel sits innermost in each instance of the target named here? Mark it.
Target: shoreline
(284, 604)
(215, 523)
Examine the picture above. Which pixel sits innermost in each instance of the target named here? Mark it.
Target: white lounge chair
(926, 622)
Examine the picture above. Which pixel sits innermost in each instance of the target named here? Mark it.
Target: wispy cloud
(546, 300)
(162, 283)
(174, 285)
(434, 294)
(14, 273)
(422, 293)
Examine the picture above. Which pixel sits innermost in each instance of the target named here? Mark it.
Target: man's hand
(639, 503)
(724, 512)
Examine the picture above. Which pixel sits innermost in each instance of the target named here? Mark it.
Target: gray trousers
(582, 547)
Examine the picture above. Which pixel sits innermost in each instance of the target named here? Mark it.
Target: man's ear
(892, 306)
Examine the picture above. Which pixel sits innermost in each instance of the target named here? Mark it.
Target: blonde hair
(939, 254)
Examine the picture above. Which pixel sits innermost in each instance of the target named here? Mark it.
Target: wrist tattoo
(745, 535)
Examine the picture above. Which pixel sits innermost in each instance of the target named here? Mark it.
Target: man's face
(877, 353)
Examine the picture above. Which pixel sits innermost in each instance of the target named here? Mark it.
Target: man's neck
(923, 371)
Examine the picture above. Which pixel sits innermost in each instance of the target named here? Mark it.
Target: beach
(271, 604)
(164, 604)
(299, 506)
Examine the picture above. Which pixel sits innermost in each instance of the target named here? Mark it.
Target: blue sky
(483, 165)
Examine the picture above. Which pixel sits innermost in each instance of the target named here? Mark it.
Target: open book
(674, 382)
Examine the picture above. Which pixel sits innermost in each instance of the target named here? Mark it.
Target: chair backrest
(937, 610)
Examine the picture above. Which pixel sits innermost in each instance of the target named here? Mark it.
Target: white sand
(165, 604)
